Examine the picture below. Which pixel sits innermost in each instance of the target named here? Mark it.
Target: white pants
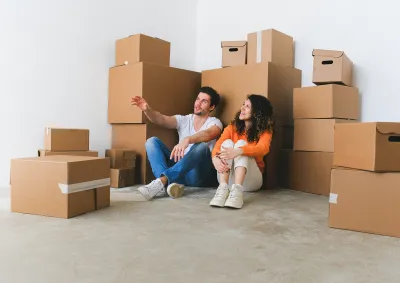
(253, 179)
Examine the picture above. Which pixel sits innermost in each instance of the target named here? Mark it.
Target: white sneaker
(235, 199)
(152, 189)
(175, 190)
(220, 196)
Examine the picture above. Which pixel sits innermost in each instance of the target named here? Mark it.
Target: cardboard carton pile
(143, 69)
(122, 163)
(262, 66)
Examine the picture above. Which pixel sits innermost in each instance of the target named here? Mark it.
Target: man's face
(202, 105)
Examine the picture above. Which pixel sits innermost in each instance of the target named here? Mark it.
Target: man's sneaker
(152, 189)
(220, 196)
(235, 199)
(175, 190)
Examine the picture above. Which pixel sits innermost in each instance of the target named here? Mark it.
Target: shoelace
(234, 193)
(220, 192)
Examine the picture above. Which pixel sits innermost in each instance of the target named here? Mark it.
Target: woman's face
(245, 111)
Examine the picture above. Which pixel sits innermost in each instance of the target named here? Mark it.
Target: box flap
(327, 53)
(241, 43)
(388, 128)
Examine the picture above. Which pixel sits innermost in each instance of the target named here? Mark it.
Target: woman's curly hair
(262, 118)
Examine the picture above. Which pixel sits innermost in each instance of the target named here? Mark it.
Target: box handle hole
(327, 62)
(394, 139)
(233, 49)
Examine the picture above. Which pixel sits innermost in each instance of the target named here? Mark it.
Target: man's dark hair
(212, 93)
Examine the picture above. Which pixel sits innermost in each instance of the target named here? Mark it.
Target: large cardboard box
(368, 146)
(43, 152)
(121, 178)
(59, 186)
(134, 136)
(121, 158)
(142, 48)
(234, 53)
(332, 66)
(63, 139)
(365, 201)
(315, 134)
(271, 80)
(304, 171)
(270, 46)
(326, 101)
(166, 89)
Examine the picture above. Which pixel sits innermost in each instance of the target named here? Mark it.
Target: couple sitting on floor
(237, 155)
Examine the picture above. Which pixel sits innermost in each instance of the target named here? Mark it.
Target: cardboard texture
(271, 80)
(166, 89)
(270, 46)
(326, 101)
(142, 48)
(59, 186)
(121, 158)
(43, 152)
(134, 136)
(234, 53)
(121, 178)
(303, 171)
(368, 146)
(63, 139)
(315, 134)
(365, 201)
(332, 66)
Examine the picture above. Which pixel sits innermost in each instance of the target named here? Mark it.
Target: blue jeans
(195, 169)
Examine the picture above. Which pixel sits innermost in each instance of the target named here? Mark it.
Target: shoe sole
(216, 205)
(233, 206)
(175, 191)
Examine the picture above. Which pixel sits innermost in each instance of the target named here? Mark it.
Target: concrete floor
(279, 236)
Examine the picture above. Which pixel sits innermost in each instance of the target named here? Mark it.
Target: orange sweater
(257, 150)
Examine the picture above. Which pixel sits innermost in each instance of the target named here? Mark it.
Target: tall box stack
(143, 69)
(317, 110)
(365, 193)
(268, 71)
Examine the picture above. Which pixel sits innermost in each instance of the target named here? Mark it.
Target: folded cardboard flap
(327, 53)
(388, 128)
(241, 43)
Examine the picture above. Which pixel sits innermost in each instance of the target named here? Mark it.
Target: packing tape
(259, 46)
(84, 186)
(333, 198)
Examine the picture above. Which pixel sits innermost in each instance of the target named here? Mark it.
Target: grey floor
(279, 236)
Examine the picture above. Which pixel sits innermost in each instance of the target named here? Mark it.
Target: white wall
(366, 30)
(54, 54)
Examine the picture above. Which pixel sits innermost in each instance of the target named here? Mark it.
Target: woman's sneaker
(175, 190)
(220, 196)
(235, 199)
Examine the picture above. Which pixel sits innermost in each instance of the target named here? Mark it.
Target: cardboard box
(121, 178)
(326, 101)
(168, 90)
(63, 139)
(332, 67)
(365, 201)
(142, 48)
(60, 185)
(271, 80)
(134, 136)
(287, 133)
(121, 158)
(368, 146)
(43, 152)
(234, 53)
(270, 46)
(315, 134)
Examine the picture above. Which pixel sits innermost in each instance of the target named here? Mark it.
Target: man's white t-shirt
(185, 127)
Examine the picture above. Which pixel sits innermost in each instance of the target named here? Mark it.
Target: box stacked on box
(122, 164)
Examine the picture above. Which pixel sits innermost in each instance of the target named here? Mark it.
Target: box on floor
(123, 167)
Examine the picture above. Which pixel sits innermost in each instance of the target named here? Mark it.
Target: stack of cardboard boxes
(143, 69)
(123, 165)
(261, 65)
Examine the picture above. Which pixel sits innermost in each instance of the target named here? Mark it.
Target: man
(190, 162)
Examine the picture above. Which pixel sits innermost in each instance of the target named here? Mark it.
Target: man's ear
(212, 108)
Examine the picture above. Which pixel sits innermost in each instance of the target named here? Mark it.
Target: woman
(239, 152)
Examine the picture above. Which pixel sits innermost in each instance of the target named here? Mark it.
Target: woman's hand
(220, 165)
(230, 153)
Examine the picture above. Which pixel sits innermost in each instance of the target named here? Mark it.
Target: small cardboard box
(63, 139)
(142, 48)
(60, 185)
(121, 178)
(332, 67)
(121, 158)
(368, 146)
(365, 201)
(43, 152)
(326, 101)
(270, 46)
(315, 134)
(234, 53)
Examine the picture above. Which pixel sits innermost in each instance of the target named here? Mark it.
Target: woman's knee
(240, 143)
(227, 143)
